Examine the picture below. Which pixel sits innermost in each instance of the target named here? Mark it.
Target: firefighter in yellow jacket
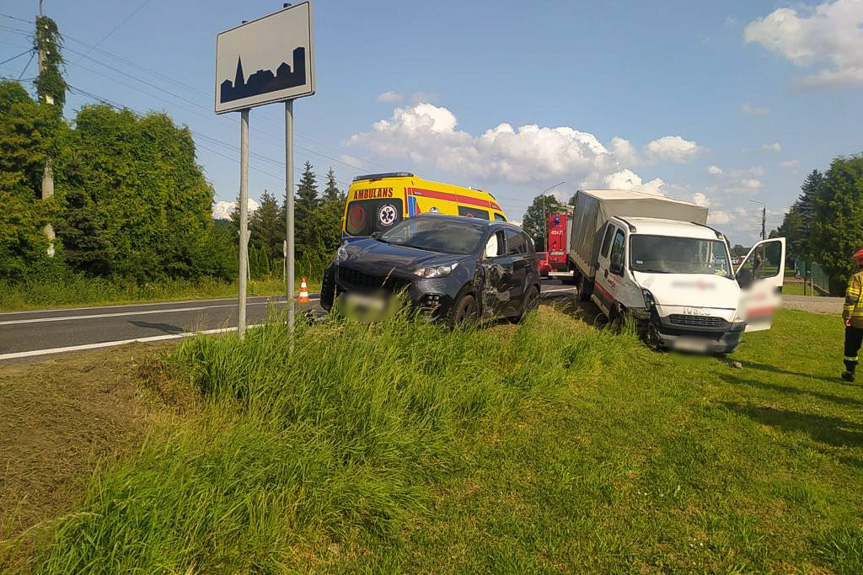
(852, 313)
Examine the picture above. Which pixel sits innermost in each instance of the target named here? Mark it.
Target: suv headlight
(436, 271)
(649, 301)
(341, 254)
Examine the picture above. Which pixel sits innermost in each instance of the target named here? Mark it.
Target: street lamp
(763, 218)
(545, 216)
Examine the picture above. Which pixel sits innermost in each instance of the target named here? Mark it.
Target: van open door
(760, 277)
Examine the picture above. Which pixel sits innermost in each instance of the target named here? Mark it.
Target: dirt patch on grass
(59, 419)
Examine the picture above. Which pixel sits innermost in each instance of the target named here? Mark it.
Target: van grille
(698, 321)
(355, 279)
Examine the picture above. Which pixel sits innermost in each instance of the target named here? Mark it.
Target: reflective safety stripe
(855, 358)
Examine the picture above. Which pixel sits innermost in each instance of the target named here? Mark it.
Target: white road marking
(141, 304)
(87, 346)
(129, 313)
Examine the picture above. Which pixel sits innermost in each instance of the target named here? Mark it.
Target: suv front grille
(355, 279)
(698, 321)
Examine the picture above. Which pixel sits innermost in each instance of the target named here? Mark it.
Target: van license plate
(690, 344)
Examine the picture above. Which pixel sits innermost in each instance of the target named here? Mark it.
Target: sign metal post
(279, 50)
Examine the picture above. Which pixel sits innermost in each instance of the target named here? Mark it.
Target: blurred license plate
(367, 307)
(690, 344)
(364, 301)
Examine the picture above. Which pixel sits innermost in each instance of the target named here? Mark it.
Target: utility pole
(544, 226)
(47, 172)
(763, 218)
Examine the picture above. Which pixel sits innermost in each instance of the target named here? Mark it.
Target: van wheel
(531, 302)
(583, 288)
(464, 311)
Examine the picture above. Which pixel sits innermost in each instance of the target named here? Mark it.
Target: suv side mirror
(375, 235)
(616, 268)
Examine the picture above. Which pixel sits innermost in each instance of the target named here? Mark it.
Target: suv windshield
(671, 255)
(437, 235)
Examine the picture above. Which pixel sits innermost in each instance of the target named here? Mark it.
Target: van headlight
(649, 301)
(436, 271)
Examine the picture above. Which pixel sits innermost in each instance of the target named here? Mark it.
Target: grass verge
(548, 447)
(80, 291)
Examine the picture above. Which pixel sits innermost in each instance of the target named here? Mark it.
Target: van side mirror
(616, 268)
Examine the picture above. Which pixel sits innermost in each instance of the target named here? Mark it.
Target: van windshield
(436, 235)
(364, 217)
(671, 255)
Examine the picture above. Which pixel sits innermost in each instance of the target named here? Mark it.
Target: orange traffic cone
(304, 292)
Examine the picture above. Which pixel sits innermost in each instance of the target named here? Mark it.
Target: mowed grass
(550, 447)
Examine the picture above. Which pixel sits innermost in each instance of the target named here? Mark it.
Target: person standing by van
(852, 314)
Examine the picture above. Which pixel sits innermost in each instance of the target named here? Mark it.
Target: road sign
(267, 60)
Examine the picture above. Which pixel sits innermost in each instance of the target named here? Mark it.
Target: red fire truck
(559, 232)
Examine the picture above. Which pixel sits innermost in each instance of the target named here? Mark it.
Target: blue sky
(714, 102)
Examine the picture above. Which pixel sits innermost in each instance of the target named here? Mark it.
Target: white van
(676, 279)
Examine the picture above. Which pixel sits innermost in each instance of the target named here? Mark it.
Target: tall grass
(293, 453)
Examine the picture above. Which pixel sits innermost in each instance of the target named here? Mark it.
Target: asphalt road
(45, 332)
(34, 333)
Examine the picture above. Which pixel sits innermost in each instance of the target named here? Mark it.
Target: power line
(33, 53)
(16, 18)
(115, 28)
(24, 53)
(197, 104)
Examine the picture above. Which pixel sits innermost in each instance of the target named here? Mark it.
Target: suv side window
(529, 243)
(617, 248)
(494, 247)
(515, 244)
(606, 241)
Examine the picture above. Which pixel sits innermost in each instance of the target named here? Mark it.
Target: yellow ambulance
(376, 202)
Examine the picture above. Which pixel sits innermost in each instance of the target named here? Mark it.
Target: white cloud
(428, 136)
(714, 170)
(751, 110)
(629, 180)
(672, 148)
(389, 97)
(772, 147)
(718, 218)
(744, 186)
(701, 199)
(831, 32)
(791, 164)
(222, 210)
(756, 171)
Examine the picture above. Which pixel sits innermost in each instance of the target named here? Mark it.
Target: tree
(305, 207)
(267, 228)
(837, 219)
(332, 192)
(535, 219)
(137, 175)
(25, 138)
